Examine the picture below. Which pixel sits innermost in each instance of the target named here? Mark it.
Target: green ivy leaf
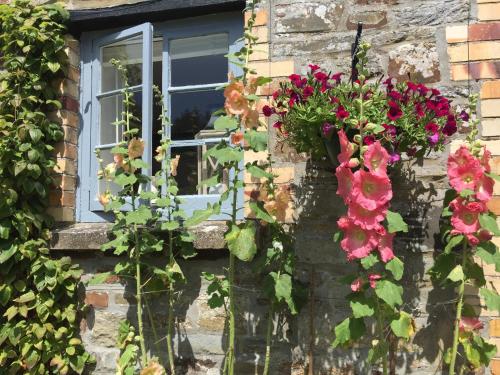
(26, 297)
(348, 331)
(241, 241)
(361, 306)
(6, 254)
(54, 66)
(491, 299)
(396, 266)
(403, 326)
(395, 222)
(389, 292)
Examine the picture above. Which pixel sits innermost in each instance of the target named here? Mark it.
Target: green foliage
(389, 292)
(395, 222)
(347, 332)
(241, 241)
(403, 326)
(38, 295)
(396, 266)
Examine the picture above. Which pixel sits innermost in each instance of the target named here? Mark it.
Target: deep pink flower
(395, 95)
(372, 278)
(435, 92)
(390, 130)
(314, 67)
(367, 219)
(320, 76)
(394, 158)
(337, 77)
(345, 179)
(484, 235)
(278, 125)
(370, 190)
(327, 128)
(464, 170)
(342, 114)
(411, 86)
(394, 112)
(385, 247)
(297, 80)
(357, 242)
(276, 94)
(308, 91)
(368, 140)
(376, 159)
(267, 111)
(419, 110)
(433, 139)
(450, 127)
(346, 147)
(472, 240)
(464, 116)
(356, 285)
(465, 218)
(470, 324)
(432, 127)
(388, 83)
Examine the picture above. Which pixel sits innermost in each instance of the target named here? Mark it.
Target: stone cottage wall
(423, 39)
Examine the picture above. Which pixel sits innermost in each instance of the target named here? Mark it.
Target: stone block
(70, 135)
(488, 12)
(65, 118)
(309, 17)
(61, 198)
(64, 182)
(490, 90)
(494, 328)
(261, 17)
(65, 166)
(372, 19)
(104, 330)
(476, 70)
(62, 214)
(495, 367)
(66, 150)
(98, 300)
(261, 52)
(490, 127)
(474, 51)
(490, 108)
(273, 69)
(420, 61)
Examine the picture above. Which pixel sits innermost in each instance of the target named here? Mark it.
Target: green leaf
(466, 193)
(35, 134)
(453, 242)
(489, 223)
(348, 331)
(369, 261)
(138, 217)
(396, 266)
(489, 253)
(403, 326)
(99, 278)
(241, 241)
(457, 274)
(6, 254)
(26, 297)
(361, 306)
(225, 154)
(493, 176)
(442, 267)
(53, 66)
(283, 290)
(210, 182)
(389, 292)
(491, 299)
(226, 123)
(257, 171)
(260, 212)
(170, 225)
(199, 216)
(395, 222)
(125, 180)
(256, 140)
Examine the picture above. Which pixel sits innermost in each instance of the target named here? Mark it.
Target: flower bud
(357, 138)
(353, 163)
(363, 149)
(370, 126)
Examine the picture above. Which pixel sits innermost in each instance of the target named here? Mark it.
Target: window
(186, 60)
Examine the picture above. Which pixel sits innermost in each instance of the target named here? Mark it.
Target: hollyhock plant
(370, 190)
(358, 242)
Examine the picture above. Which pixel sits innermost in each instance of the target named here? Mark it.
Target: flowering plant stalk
(405, 117)
(367, 232)
(468, 230)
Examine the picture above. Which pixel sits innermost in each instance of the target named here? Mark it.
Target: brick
(73, 74)
(478, 70)
(65, 166)
(251, 156)
(65, 118)
(66, 150)
(262, 33)
(494, 327)
(457, 33)
(261, 52)
(261, 17)
(59, 198)
(98, 300)
(71, 42)
(488, 12)
(66, 87)
(490, 90)
(273, 69)
(494, 205)
(62, 214)
(70, 104)
(64, 182)
(490, 108)
(495, 367)
(283, 175)
(490, 127)
(73, 56)
(476, 51)
(70, 134)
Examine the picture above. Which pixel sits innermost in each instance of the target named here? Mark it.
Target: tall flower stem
(381, 336)
(269, 335)
(460, 302)
(170, 319)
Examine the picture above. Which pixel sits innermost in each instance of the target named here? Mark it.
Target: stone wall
(409, 38)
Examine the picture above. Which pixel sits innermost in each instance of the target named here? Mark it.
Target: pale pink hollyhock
(484, 188)
(236, 103)
(344, 179)
(135, 148)
(104, 198)
(469, 324)
(356, 285)
(464, 170)
(372, 278)
(357, 242)
(484, 235)
(465, 218)
(485, 160)
(472, 240)
(385, 247)
(370, 190)
(346, 147)
(251, 118)
(367, 219)
(376, 158)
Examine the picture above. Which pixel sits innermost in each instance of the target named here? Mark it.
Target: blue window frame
(186, 58)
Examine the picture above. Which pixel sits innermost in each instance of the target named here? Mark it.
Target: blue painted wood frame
(88, 209)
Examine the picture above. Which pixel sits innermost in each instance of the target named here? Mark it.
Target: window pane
(112, 112)
(192, 112)
(107, 158)
(199, 60)
(192, 169)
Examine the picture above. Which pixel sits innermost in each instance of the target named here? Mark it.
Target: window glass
(199, 60)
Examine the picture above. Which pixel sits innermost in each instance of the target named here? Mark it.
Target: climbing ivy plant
(38, 294)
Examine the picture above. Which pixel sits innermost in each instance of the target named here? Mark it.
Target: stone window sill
(90, 236)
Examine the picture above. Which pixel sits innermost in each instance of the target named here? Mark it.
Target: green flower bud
(357, 138)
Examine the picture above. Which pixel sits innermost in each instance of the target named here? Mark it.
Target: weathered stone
(104, 328)
(369, 19)
(96, 299)
(310, 17)
(420, 62)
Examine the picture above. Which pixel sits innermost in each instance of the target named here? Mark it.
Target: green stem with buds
(170, 319)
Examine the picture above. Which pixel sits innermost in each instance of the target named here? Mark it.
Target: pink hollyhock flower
(464, 170)
(376, 159)
(357, 242)
(465, 218)
(346, 148)
(470, 324)
(472, 240)
(485, 160)
(367, 219)
(345, 179)
(356, 285)
(327, 128)
(372, 278)
(394, 111)
(385, 247)
(370, 190)
(342, 114)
